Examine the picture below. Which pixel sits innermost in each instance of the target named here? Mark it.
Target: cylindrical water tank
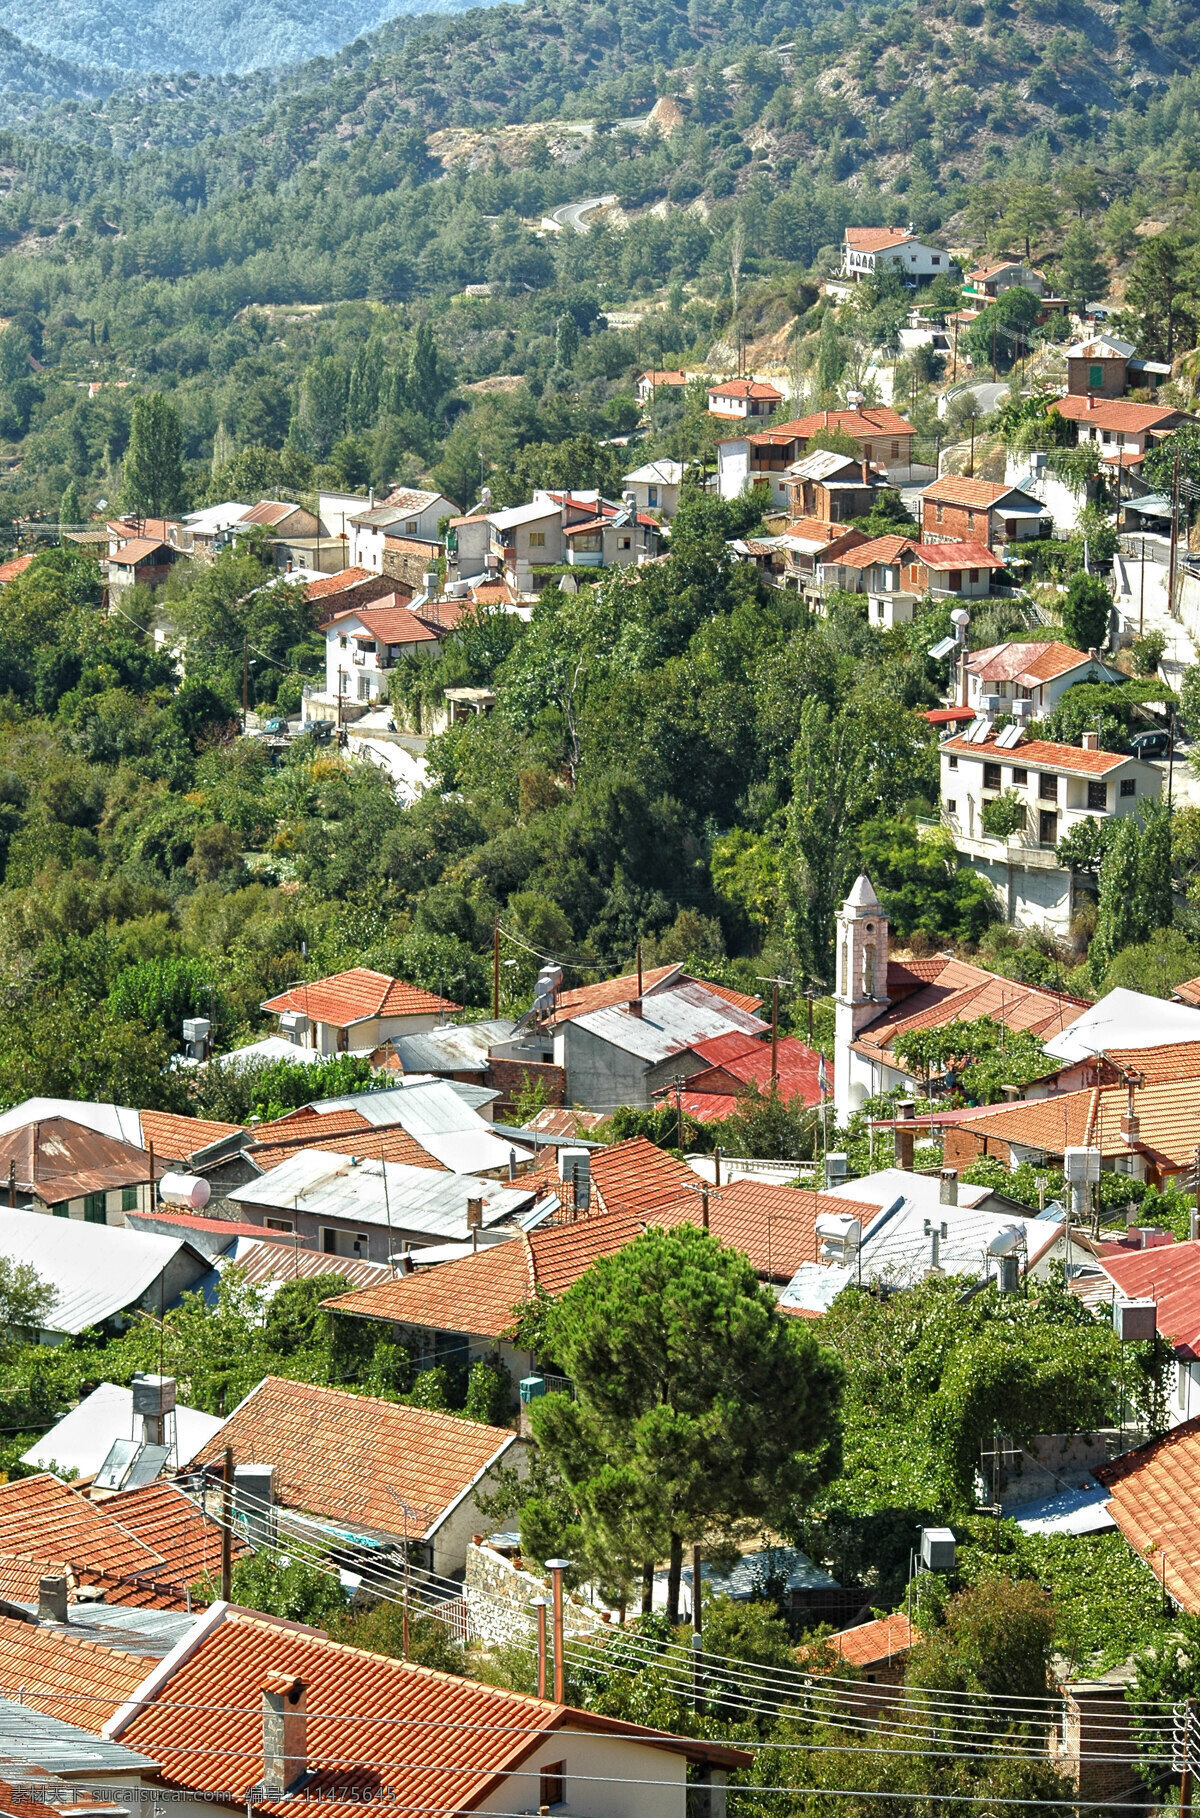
(190, 1190)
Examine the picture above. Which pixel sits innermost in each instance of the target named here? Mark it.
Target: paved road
(988, 392)
(570, 214)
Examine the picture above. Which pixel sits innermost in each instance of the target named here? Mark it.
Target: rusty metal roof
(57, 1160)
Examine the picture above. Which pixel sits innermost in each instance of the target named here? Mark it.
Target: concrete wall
(452, 1539)
(606, 1777)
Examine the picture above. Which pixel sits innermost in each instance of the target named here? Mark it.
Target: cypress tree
(1120, 921)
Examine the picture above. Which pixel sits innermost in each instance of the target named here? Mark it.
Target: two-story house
(616, 537)
(579, 529)
(407, 513)
(1056, 787)
(881, 436)
(833, 487)
(896, 571)
(1120, 430)
(363, 644)
(744, 398)
(866, 250)
(1104, 366)
(987, 282)
(807, 547)
(1037, 673)
(957, 509)
(656, 380)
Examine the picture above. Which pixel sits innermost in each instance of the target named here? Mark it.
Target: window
(1020, 776)
(953, 763)
(1048, 788)
(895, 451)
(1128, 785)
(626, 543)
(974, 575)
(935, 258)
(1001, 690)
(937, 514)
(1095, 375)
(280, 1224)
(553, 1789)
(95, 1209)
(537, 539)
(129, 1199)
(654, 495)
(411, 525)
(991, 776)
(951, 807)
(364, 687)
(1098, 795)
(1022, 694)
(341, 643)
(970, 520)
(1010, 528)
(879, 609)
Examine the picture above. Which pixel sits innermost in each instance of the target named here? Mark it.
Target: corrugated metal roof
(122, 1629)
(35, 1740)
(670, 1022)
(462, 1045)
(95, 1270)
(440, 1114)
(81, 1439)
(324, 1183)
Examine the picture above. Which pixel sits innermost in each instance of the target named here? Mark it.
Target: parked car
(1151, 745)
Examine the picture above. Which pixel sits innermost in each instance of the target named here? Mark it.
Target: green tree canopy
(152, 478)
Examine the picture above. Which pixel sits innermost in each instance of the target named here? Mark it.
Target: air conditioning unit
(531, 1387)
(1135, 1321)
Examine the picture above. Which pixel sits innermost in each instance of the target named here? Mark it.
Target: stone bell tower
(860, 992)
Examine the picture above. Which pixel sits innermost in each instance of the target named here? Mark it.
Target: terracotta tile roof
(816, 530)
(1168, 1274)
(1168, 1115)
(11, 569)
(1025, 663)
(82, 1682)
(876, 239)
(797, 1067)
(344, 1132)
(1173, 1061)
(387, 623)
(326, 584)
(494, 593)
(135, 550)
(876, 1643)
(1119, 413)
(1040, 754)
(863, 425)
(414, 498)
(1188, 992)
(880, 549)
(667, 376)
(337, 1455)
(359, 995)
(179, 1138)
(585, 998)
(187, 1543)
(958, 555)
(41, 1518)
(745, 388)
(425, 1741)
(636, 1176)
(1156, 1504)
(928, 993)
(948, 716)
(774, 1226)
(958, 489)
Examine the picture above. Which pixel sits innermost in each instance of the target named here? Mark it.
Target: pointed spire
(863, 894)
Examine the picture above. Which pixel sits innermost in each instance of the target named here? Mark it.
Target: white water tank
(189, 1190)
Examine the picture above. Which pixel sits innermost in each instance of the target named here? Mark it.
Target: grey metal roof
(426, 1200)
(671, 1021)
(460, 1045)
(152, 1633)
(31, 1739)
(95, 1270)
(81, 1439)
(441, 1115)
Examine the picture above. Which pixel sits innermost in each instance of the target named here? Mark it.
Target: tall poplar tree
(152, 477)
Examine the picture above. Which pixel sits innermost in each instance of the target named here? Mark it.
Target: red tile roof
(948, 716)
(745, 388)
(816, 530)
(1188, 992)
(337, 1455)
(774, 1226)
(387, 623)
(343, 1132)
(863, 425)
(41, 1518)
(665, 376)
(1172, 1280)
(345, 578)
(179, 1138)
(1119, 413)
(926, 994)
(1040, 754)
(135, 550)
(81, 1682)
(187, 1543)
(876, 1643)
(876, 239)
(11, 569)
(636, 1176)
(422, 1741)
(959, 489)
(880, 549)
(1026, 663)
(1168, 1115)
(357, 996)
(1155, 1502)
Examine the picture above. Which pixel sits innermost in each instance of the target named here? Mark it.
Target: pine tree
(424, 375)
(1120, 919)
(152, 482)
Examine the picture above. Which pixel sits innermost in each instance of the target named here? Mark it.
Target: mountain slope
(210, 36)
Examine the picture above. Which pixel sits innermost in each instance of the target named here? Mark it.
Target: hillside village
(600, 914)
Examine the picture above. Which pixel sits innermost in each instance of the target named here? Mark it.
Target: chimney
(948, 1194)
(52, 1598)
(1093, 653)
(1091, 403)
(284, 1739)
(635, 1006)
(904, 1138)
(1089, 741)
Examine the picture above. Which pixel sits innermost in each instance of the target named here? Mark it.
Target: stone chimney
(284, 1733)
(52, 1598)
(904, 1138)
(1089, 741)
(948, 1193)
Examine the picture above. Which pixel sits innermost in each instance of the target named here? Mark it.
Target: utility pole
(227, 1528)
(775, 1036)
(1174, 535)
(496, 967)
(679, 1084)
(1142, 594)
(245, 679)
